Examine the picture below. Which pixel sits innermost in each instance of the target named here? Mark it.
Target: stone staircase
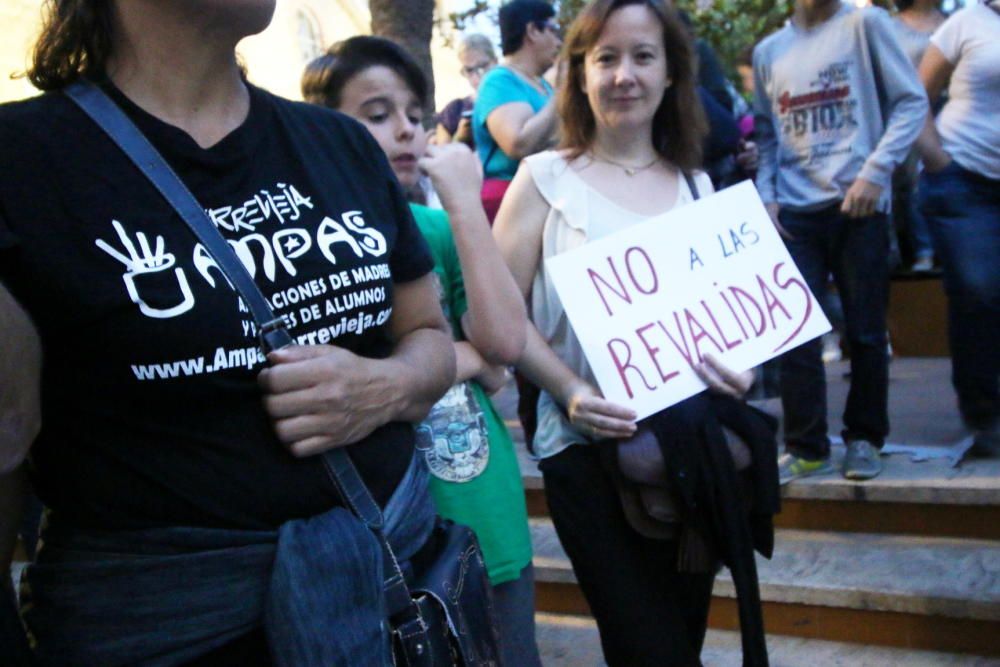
(572, 641)
(901, 570)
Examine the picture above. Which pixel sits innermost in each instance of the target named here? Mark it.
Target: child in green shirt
(475, 476)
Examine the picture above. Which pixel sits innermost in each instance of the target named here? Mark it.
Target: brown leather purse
(640, 474)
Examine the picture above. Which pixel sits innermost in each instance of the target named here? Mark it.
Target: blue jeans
(920, 232)
(963, 209)
(161, 597)
(910, 223)
(514, 606)
(855, 251)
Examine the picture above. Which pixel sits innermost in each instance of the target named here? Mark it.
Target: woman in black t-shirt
(166, 433)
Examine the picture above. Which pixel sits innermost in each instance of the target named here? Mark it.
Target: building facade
(299, 31)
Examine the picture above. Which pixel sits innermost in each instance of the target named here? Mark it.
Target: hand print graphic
(147, 267)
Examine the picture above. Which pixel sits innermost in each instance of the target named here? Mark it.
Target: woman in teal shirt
(514, 115)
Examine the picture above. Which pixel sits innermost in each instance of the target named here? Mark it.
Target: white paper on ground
(953, 453)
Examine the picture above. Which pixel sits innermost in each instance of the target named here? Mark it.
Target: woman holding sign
(632, 131)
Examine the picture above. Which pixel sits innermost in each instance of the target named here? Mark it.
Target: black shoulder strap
(692, 186)
(273, 332)
(103, 111)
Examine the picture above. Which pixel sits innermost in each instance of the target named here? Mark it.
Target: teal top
(500, 86)
(475, 478)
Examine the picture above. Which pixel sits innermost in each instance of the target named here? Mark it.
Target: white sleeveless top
(577, 214)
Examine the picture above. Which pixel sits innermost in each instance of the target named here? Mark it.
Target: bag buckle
(274, 335)
(411, 643)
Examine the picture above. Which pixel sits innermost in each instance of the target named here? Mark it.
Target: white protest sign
(710, 277)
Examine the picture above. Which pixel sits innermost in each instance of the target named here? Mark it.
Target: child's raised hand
(455, 172)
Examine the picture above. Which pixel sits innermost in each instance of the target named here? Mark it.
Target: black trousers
(856, 252)
(647, 613)
(250, 650)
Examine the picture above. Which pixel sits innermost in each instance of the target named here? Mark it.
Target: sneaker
(923, 263)
(792, 467)
(862, 460)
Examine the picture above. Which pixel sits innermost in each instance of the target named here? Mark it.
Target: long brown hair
(679, 125)
(75, 41)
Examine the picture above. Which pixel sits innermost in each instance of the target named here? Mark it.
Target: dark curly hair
(679, 125)
(75, 41)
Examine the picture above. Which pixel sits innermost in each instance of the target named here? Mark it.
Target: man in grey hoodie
(837, 107)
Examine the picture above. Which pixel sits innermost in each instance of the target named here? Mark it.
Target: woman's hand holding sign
(723, 380)
(596, 416)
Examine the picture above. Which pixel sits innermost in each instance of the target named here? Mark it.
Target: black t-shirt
(151, 411)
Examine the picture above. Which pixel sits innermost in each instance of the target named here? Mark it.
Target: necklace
(630, 170)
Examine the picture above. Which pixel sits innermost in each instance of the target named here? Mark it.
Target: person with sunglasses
(514, 115)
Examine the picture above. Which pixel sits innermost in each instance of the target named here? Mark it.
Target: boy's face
(381, 100)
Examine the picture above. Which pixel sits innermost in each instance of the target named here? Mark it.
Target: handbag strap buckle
(274, 335)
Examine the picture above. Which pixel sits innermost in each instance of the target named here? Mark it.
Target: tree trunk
(409, 23)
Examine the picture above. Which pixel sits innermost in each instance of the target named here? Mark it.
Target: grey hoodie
(833, 103)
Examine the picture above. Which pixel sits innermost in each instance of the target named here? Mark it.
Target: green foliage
(568, 9)
(459, 20)
(733, 27)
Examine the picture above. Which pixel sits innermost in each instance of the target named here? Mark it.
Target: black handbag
(446, 617)
(452, 595)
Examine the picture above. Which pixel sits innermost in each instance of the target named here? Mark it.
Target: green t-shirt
(475, 479)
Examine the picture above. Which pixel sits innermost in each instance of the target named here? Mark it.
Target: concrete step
(922, 406)
(913, 592)
(930, 498)
(572, 641)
